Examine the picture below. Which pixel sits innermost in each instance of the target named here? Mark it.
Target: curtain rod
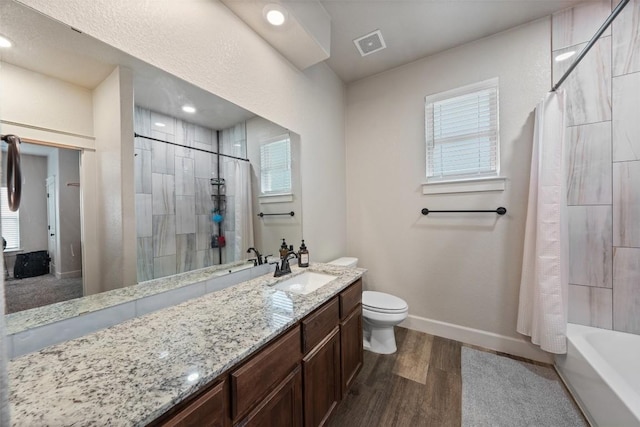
(593, 41)
(137, 135)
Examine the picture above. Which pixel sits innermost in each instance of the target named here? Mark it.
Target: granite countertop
(131, 373)
(39, 316)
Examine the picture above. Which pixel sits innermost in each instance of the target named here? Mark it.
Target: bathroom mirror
(153, 205)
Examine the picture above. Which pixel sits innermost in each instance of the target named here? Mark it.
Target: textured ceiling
(413, 29)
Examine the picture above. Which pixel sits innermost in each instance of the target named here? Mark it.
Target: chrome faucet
(284, 267)
(258, 259)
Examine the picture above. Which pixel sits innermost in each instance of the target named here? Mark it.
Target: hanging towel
(542, 311)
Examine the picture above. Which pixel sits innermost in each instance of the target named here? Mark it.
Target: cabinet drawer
(317, 326)
(255, 379)
(208, 410)
(350, 298)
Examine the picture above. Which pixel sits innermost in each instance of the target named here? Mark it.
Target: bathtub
(602, 371)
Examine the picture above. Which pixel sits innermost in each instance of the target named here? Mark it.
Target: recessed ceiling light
(565, 55)
(159, 124)
(188, 109)
(275, 14)
(5, 42)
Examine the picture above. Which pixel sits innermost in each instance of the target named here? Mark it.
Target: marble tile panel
(169, 123)
(589, 164)
(164, 236)
(162, 155)
(164, 266)
(142, 125)
(144, 214)
(588, 87)
(204, 203)
(578, 24)
(142, 170)
(205, 136)
(163, 194)
(145, 259)
(185, 215)
(185, 135)
(185, 176)
(590, 246)
(626, 40)
(203, 163)
(186, 252)
(204, 258)
(626, 290)
(626, 125)
(590, 306)
(626, 204)
(204, 229)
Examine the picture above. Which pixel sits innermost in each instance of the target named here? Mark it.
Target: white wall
(27, 99)
(463, 270)
(113, 127)
(212, 48)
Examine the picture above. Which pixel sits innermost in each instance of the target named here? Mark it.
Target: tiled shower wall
(603, 169)
(173, 195)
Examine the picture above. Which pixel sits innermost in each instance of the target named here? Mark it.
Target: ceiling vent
(370, 43)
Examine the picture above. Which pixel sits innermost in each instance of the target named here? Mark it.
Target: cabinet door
(209, 410)
(321, 373)
(351, 347)
(282, 407)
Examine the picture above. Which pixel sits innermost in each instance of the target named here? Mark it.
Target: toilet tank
(345, 262)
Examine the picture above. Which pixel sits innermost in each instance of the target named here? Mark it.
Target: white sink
(305, 283)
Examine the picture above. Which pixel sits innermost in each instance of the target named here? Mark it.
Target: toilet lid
(379, 301)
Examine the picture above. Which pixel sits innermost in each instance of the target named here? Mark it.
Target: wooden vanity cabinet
(209, 409)
(351, 351)
(282, 407)
(252, 383)
(321, 363)
(296, 380)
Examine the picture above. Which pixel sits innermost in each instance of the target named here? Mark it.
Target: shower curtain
(542, 312)
(243, 209)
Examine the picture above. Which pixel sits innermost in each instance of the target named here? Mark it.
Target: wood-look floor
(419, 385)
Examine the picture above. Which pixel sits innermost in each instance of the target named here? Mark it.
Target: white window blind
(275, 166)
(462, 133)
(10, 222)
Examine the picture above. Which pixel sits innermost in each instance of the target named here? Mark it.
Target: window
(10, 222)
(275, 166)
(462, 133)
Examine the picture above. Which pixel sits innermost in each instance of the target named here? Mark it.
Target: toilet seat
(380, 302)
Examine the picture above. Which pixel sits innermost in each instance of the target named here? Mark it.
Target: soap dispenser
(303, 256)
(284, 250)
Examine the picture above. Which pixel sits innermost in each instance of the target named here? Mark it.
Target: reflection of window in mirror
(275, 166)
(10, 223)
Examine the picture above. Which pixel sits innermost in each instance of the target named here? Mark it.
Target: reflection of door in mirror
(46, 227)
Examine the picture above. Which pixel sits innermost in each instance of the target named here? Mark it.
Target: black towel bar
(499, 211)
(274, 214)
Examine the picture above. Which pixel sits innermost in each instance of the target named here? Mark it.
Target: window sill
(276, 198)
(475, 185)
(13, 251)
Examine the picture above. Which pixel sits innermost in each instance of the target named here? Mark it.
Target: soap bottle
(303, 256)
(284, 250)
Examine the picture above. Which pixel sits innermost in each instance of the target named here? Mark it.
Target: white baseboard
(69, 274)
(489, 340)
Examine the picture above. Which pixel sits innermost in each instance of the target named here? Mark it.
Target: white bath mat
(498, 391)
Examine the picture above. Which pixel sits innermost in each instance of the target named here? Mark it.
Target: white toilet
(380, 313)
